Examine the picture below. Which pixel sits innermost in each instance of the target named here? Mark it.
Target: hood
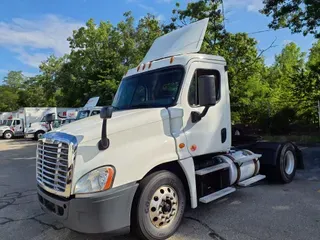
(90, 128)
(4, 127)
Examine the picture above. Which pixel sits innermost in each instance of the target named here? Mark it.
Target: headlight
(97, 180)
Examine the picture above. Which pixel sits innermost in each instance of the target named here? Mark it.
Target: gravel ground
(263, 211)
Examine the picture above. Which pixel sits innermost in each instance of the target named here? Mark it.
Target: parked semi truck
(164, 144)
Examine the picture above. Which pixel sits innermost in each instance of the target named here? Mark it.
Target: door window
(95, 112)
(193, 95)
(16, 122)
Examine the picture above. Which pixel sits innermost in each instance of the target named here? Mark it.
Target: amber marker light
(182, 145)
(109, 181)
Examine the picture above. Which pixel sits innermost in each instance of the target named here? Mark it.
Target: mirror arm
(104, 142)
(196, 116)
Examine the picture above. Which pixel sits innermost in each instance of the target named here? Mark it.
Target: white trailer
(166, 143)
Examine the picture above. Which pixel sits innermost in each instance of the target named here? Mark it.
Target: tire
(286, 167)
(38, 134)
(7, 135)
(152, 192)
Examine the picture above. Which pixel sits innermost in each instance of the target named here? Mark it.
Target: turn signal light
(182, 145)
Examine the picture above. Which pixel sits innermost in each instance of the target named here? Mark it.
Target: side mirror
(207, 96)
(106, 112)
(50, 117)
(207, 90)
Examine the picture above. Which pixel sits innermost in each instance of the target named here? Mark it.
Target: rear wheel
(286, 165)
(159, 206)
(7, 135)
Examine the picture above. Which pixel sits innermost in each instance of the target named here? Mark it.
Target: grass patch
(304, 139)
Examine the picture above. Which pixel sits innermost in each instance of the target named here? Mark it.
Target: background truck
(38, 128)
(20, 121)
(90, 109)
(165, 144)
(4, 116)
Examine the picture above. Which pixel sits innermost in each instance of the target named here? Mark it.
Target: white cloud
(29, 74)
(249, 5)
(147, 8)
(161, 17)
(47, 33)
(31, 59)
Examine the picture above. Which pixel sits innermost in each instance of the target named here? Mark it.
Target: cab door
(17, 128)
(212, 133)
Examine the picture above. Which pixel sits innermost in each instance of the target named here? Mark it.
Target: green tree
(33, 94)
(307, 86)
(14, 79)
(298, 15)
(8, 99)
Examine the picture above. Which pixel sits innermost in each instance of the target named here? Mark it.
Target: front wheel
(159, 206)
(7, 135)
(38, 135)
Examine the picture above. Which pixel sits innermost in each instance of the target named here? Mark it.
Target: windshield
(3, 122)
(83, 114)
(8, 123)
(158, 88)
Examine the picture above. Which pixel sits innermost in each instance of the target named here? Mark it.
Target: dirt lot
(261, 212)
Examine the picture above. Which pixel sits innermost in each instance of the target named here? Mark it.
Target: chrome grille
(52, 165)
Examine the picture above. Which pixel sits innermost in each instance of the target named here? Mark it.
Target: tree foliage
(298, 15)
(101, 53)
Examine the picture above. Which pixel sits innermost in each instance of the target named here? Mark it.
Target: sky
(31, 30)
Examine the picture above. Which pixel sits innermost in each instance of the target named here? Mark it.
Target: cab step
(211, 169)
(252, 180)
(213, 196)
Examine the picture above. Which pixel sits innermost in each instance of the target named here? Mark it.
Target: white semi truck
(165, 144)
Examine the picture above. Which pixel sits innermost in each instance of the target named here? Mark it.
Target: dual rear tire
(286, 165)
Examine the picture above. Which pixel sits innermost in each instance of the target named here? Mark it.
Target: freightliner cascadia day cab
(163, 145)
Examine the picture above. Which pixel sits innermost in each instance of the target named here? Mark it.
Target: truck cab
(12, 128)
(88, 112)
(165, 143)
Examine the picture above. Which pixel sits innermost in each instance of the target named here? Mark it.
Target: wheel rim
(289, 162)
(163, 207)
(8, 135)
